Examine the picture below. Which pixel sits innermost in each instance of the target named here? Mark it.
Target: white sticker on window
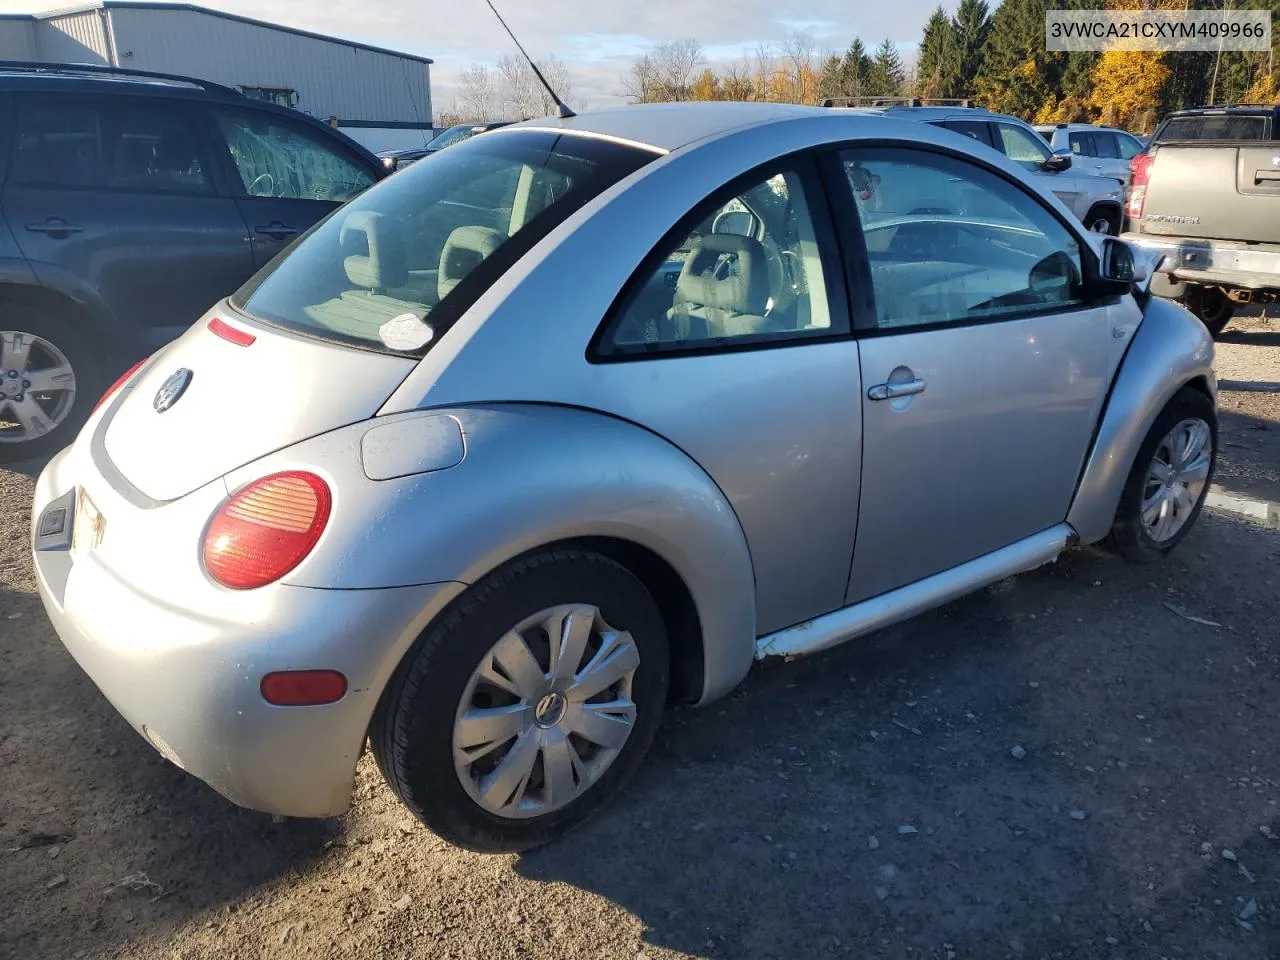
(406, 332)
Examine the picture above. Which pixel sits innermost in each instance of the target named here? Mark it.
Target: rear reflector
(124, 378)
(232, 334)
(266, 529)
(303, 688)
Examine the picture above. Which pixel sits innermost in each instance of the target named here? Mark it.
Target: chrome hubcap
(1176, 478)
(37, 386)
(546, 712)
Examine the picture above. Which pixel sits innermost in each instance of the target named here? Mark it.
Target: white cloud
(598, 39)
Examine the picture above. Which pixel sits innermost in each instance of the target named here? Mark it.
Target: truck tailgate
(1214, 191)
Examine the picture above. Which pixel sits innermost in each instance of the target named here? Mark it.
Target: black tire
(24, 318)
(1129, 537)
(1102, 214)
(1214, 308)
(412, 731)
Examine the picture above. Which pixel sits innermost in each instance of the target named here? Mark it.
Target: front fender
(530, 475)
(1170, 348)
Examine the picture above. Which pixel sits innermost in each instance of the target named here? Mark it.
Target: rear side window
(1104, 145)
(1219, 126)
(395, 267)
(971, 128)
(1128, 147)
(116, 145)
(278, 158)
(1082, 144)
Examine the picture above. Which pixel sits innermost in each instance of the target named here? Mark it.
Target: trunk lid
(1215, 192)
(240, 403)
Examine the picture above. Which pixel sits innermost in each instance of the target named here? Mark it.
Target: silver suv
(1095, 199)
(1104, 150)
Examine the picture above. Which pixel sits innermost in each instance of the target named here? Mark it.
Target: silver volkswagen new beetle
(586, 415)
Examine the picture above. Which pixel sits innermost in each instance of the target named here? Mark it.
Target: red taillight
(303, 688)
(124, 378)
(266, 529)
(227, 332)
(1140, 168)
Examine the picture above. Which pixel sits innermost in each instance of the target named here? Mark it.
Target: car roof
(670, 126)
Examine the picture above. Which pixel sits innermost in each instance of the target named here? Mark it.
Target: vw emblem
(172, 389)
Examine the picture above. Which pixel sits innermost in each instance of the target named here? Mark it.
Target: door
(287, 175)
(1029, 151)
(983, 369)
(114, 197)
(1104, 158)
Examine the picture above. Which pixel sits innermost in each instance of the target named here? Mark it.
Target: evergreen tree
(855, 67)
(886, 75)
(972, 29)
(1018, 76)
(938, 66)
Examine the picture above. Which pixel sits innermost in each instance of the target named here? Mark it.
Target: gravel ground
(1062, 766)
(1248, 351)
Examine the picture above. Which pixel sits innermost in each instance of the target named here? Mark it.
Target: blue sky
(598, 39)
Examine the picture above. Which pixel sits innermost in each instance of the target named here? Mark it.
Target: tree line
(994, 57)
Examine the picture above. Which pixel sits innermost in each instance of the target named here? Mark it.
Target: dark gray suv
(132, 203)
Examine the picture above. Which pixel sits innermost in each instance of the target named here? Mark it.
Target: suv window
(1104, 145)
(951, 243)
(1082, 144)
(1127, 146)
(747, 270)
(979, 130)
(395, 267)
(276, 157)
(118, 144)
(1023, 148)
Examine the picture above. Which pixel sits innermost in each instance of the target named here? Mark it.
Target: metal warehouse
(380, 97)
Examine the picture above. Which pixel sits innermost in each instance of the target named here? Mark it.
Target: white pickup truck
(1205, 196)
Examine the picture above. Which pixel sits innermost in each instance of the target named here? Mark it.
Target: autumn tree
(938, 65)
(706, 86)
(886, 75)
(1018, 76)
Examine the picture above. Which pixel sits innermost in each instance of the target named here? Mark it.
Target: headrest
(745, 290)
(463, 252)
(385, 265)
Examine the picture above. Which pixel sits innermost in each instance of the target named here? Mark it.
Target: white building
(379, 97)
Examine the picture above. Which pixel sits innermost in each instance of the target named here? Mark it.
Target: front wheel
(527, 705)
(1169, 480)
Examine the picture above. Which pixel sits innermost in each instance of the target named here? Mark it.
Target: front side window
(747, 269)
(1023, 148)
(277, 158)
(952, 243)
(392, 269)
(116, 145)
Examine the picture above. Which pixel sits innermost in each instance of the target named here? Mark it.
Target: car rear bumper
(188, 681)
(1213, 262)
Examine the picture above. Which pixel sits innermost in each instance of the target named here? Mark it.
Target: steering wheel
(268, 188)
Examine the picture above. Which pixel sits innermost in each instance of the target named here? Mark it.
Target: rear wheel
(1214, 308)
(49, 381)
(1169, 480)
(527, 705)
(1103, 220)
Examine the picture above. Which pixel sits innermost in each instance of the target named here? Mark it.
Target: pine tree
(855, 68)
(1018, 76)
(972, 28)
(938, 66)
(886, 74)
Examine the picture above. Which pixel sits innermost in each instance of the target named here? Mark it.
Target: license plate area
(89, 526)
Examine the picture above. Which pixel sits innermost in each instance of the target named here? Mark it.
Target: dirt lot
(863, 803)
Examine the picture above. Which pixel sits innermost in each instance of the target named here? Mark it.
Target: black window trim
(103, 103)
(803, 163)
(853, 240)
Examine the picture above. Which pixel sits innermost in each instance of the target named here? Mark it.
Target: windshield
(395, 267)
(452, 135)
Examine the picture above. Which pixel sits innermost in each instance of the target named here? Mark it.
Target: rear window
(1218, 126)
(395, 267)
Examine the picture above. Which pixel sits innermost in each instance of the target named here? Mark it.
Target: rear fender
(1170, 349)
(526, 476)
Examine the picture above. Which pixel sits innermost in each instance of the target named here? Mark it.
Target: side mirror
(1120, 268)
(1058, 161)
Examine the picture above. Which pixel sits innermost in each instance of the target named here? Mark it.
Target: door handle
(891, 391)
(55, 227)
(276, 230)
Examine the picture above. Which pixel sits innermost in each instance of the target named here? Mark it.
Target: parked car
(1096, 200)
(399, 159)
(1104, 150)
(132, 201)
(491, 492)
(1205, 198)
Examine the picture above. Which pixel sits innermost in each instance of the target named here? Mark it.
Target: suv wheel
(48, 384)
(1104, 220)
